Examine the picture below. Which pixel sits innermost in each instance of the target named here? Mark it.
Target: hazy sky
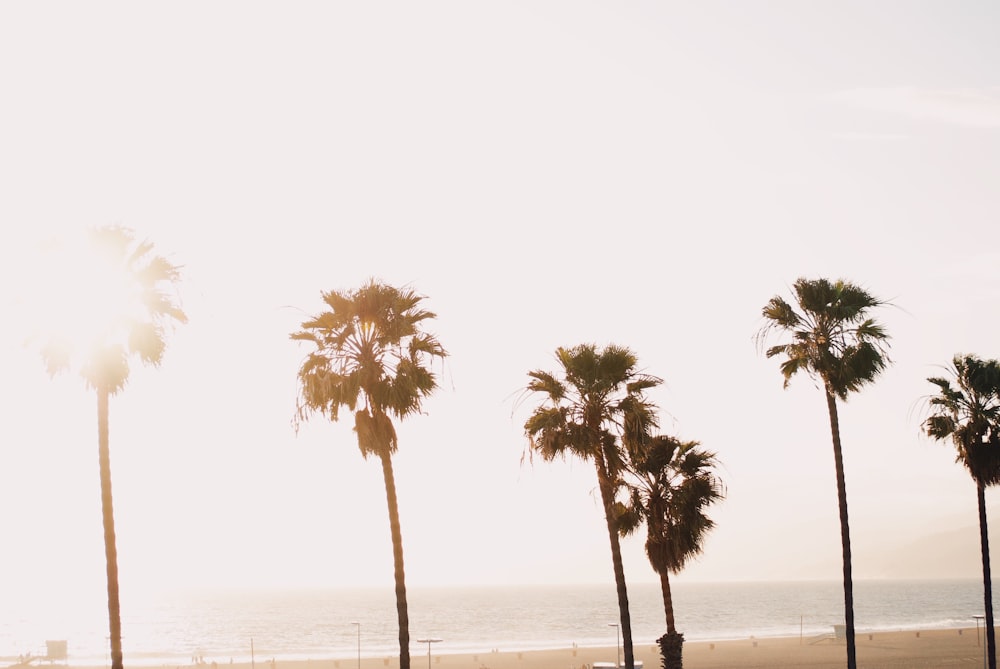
(547, 174)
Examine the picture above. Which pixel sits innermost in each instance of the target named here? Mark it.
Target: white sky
(546, 173)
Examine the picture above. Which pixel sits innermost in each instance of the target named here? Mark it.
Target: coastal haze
(547, 174)
(313, 624)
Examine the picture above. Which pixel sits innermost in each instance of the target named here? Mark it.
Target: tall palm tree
(598, 401)
(671, 484)
(371, 357)
(118, 286)
(968, 413)
(833, 340)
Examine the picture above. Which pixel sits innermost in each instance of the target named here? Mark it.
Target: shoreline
(899, 649)
(348, 660)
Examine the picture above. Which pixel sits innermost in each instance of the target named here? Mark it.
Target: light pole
(978, 618)
(429, 641)
(618, 645)
(359, 642)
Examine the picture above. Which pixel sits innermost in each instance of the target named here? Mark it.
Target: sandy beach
(925, 649)
(884, 650)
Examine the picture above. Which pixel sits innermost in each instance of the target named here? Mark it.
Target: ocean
(182, 628)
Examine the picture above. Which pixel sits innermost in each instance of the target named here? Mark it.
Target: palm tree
(968, 413)
(833, 340)
(598, 401)
(671, 483)
(119, 291)
(371, 357)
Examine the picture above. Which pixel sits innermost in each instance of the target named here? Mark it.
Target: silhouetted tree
(671, 483)
(371, 357)
(596, 401)
(833, 340)
(122, 286)
(966, 410)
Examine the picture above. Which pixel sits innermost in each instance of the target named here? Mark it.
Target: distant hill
(946, 554)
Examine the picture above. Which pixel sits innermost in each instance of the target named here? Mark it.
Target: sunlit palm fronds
(832, 336)
(371, 353)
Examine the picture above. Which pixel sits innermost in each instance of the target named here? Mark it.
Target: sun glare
(82, 297)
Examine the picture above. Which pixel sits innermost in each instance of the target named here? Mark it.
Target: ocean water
(217, 626)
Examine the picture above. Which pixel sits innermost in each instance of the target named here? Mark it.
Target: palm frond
(375, 432)
(543, 382)
(107, 368)
(966, 411)
(628, 518)
(146, 340)
(781, 314)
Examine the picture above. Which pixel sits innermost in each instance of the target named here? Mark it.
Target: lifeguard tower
(56, 651)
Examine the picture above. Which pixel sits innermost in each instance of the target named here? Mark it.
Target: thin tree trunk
(671, 643)
(604, 483)
(668, 601)
(397, 558)
(845, 528)
(991, 642)
(107, 511)
(626, 620)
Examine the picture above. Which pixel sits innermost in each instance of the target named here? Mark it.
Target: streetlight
(359, 642)
(978, 618)
(429, 641)
(618, 654)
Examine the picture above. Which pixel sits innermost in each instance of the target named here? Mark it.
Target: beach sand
(926, 649)
(883, 650)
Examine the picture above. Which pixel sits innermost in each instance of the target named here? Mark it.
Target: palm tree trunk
(671, 643)
(991, 642)
(845, 528)
(668, 601)
(107, 511)
(607, 497)
(402, 612)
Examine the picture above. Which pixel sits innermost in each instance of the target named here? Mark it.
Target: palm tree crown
(370, 353)
(967, 411)
(599, 398)
(122, 288)
(671, 486)
(832, 336)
